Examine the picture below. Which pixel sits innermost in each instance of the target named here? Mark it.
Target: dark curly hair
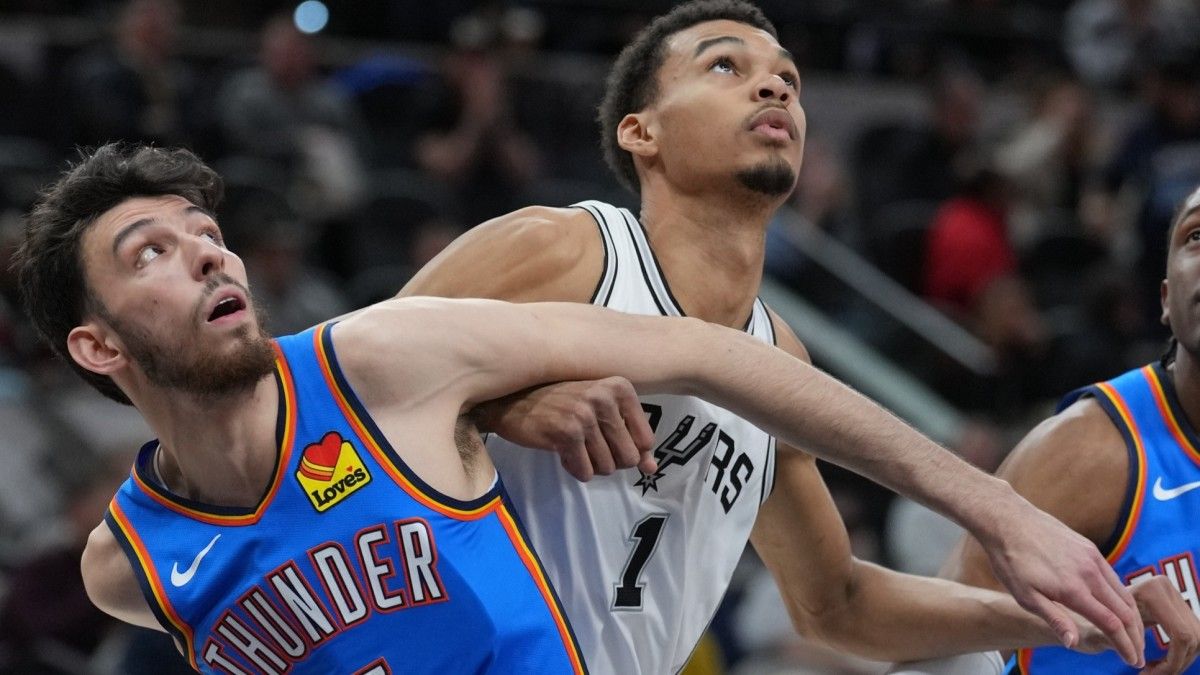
(633, 81)
(48, 262)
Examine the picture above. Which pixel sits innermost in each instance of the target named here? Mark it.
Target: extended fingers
(1082, 598)
(1162, 604)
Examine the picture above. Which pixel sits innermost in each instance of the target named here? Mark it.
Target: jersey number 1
(628, 593)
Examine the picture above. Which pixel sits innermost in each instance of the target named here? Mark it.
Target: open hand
(1045, 564)
(1160, 602)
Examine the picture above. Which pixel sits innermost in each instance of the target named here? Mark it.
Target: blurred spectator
(1049, 158)
(971, 273)
(901, 162)
(1111, 42)
(283, 112)
(472, 138)
(273, 240)
(59, 636)
(821, 202)
(136, 90)
(1154, 168)
(968, 248)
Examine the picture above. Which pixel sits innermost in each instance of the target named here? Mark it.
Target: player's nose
(206, 257)
(773, 87)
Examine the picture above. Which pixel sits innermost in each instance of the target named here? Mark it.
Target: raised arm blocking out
(507, 347)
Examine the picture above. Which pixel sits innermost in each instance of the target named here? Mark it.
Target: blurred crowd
(1014, 165)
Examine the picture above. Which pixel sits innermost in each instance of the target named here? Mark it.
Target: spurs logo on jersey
(639, 537)
(680, 447)
(673, 450)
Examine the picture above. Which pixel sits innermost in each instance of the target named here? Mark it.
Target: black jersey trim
(380, 440)
(148, 480)
(662, 287)
(768, 478)
(661, 296)
(770, 322)
(510, 507)
(143, 580)
(1110, 543)
(608, 278)
(1176, 409)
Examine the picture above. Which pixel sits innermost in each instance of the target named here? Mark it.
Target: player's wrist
(991, 510)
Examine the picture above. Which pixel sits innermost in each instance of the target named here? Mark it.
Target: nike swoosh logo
(179, 579)
(1163, 494)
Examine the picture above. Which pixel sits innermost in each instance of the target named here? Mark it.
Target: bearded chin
(196, 371)
(773, 178)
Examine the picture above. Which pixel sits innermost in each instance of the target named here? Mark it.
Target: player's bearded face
(175, 359)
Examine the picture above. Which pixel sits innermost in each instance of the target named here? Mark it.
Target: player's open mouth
(228, 306)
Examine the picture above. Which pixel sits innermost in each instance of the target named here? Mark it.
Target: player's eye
(790, 79)
(723, 64)
(214, 236)
(148, 253)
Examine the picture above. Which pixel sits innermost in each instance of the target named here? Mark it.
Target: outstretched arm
(1075, 467)
(859, 607)
(499, 348)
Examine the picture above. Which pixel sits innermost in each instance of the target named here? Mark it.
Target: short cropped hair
(632, 83)
(49, 262)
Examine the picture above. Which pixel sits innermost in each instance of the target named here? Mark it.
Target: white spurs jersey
(640, 562)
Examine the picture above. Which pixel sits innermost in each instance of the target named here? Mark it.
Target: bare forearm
(900, 617)
(804, 407)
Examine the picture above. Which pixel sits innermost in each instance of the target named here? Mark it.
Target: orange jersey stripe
(1168, 415)
(1135, 511)
(285, 453)
(374, 448)
(539, 578)
(1024, 660)
(160, 594)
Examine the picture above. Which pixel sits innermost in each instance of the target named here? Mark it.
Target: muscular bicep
(1073, 466)
(110, 582)
(534, 254)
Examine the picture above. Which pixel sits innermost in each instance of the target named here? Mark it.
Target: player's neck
(711, 252)
(218, 451)
(1185, 375)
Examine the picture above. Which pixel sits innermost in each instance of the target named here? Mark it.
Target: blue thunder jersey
(1158, 531)
(349, 564)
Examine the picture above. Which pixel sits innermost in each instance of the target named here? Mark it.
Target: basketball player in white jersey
(701, 118)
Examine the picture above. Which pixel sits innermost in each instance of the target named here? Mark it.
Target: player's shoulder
(551, 238)
(1075, 466)
(537, 253)
(1081, 433)
(786, 338)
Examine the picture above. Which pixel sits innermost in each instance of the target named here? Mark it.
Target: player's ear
(637, 135)
(94, 347)
(1163, 292)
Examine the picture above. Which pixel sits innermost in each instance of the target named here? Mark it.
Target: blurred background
(979, 224)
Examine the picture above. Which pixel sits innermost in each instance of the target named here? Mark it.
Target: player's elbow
(845, 623)
(826, 616)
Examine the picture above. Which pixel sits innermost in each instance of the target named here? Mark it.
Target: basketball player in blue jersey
(306, 507)
(1120, 463)
(701, 118)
